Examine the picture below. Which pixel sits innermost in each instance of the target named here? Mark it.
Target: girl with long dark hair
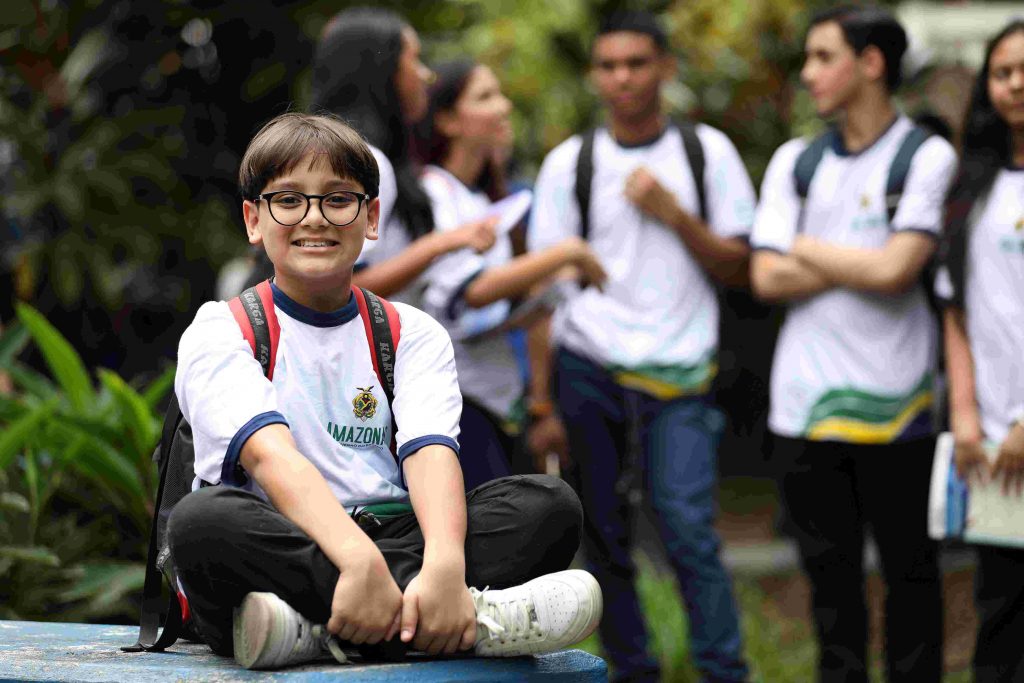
(465, 139)
(984, 258)
(367, 70)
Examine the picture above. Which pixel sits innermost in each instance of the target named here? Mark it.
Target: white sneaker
(269, 633)
(546, 614)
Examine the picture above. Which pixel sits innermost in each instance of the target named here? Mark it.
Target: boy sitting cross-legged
(273, 547)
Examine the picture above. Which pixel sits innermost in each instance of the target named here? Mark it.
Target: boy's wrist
(445, 559)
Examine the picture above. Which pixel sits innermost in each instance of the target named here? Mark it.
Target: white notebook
(976, 514)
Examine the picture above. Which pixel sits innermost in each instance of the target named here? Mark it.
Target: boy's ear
(372, 218)
(251, 216)
(872, 63)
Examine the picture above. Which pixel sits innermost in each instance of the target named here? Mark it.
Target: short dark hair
(864, 26)
(635, 22)
(287, 139)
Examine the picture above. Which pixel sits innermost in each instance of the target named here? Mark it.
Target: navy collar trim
(839, 147)
(307, 315)
(642, 143)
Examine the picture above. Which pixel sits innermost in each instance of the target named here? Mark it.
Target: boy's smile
(312, 259)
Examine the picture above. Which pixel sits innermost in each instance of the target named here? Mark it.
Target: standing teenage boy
(851, 387)
(638, 357)
(275, 540)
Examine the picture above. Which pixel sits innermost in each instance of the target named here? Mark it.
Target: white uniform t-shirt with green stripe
(993, 301)
(654, 325)
(854, 366)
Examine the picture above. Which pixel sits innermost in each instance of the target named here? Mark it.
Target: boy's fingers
(468, 637)
(409, 618)
(395, 625)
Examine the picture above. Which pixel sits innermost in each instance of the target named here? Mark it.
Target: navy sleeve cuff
(456, 303)
(923, 231)
(758, 247)
(410, 448)
(231, 472)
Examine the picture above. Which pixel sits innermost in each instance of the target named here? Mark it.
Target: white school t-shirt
(655, 325)
(993, 299)
(488, 372)
(854, 366)
(322, 374)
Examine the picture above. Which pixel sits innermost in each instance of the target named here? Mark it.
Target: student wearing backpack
(667, 209)
(982, 282)
(367, 70)
(844, 245)
(322, 510)
(463, 136)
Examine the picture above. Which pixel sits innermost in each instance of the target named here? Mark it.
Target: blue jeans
(669, 446)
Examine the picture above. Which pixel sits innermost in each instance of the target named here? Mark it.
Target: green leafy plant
(76, 480)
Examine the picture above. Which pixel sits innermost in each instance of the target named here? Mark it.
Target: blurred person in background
(367, 70)
(465, 138)
(851, 387)
(982, 282)
(633, 363)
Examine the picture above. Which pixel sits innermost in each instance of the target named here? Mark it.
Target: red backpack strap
(254, 312)
(383, 330)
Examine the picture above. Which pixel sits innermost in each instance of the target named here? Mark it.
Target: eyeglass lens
(339, 208)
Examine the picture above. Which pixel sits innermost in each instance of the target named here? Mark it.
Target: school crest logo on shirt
(865, 201)
(1019, 225)
(364, 405)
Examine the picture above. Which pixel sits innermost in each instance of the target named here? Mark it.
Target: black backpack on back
(254, 312)
(585, 171)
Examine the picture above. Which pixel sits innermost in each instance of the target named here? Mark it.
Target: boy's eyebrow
(279, 184)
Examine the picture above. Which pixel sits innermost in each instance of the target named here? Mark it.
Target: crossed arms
(813, 266)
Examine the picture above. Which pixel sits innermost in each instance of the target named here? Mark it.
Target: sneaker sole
(251, 628)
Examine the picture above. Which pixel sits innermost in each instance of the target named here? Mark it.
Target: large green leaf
(33, 554)
(65, 364)
(12, 342)
(100, 460)
(138, 417)
(158, 388)
(103, 582)
(17, 434)
(33, 383)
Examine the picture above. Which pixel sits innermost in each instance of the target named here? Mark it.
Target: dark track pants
(999, 597)
(832, 492)
(227, 542)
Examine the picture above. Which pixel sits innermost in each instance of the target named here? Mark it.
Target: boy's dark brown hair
(287, 139)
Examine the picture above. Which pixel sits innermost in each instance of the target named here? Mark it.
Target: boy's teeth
(312, 243)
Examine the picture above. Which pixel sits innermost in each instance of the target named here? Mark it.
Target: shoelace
(327, 639)
(506, 620)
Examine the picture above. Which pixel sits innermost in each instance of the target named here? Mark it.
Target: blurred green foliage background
(121, 128)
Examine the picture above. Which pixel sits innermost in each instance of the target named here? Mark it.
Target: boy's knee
(555, 503)
(200, 514)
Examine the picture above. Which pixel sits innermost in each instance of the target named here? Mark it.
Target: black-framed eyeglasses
(289, 207)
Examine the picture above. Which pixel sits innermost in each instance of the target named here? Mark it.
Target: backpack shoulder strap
(383, 332)
(695, 157)
(584, 179)
(900, 168)
(254, 312)
(808, 160)
(149, 620)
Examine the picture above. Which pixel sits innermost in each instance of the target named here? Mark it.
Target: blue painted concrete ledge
(34, 651)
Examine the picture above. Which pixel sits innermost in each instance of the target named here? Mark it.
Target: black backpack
(253, 310)
(585, 171)
(807, 163)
